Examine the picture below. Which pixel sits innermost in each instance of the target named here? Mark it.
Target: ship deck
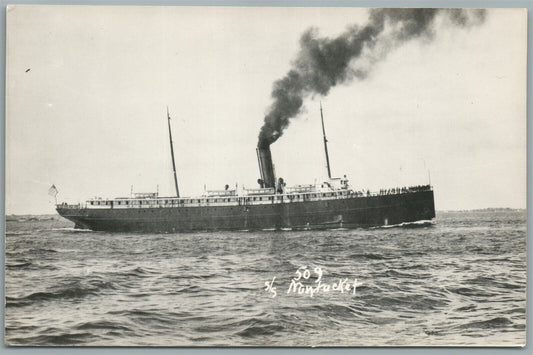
(236, 200)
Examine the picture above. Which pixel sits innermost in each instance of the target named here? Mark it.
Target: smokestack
(266, 168)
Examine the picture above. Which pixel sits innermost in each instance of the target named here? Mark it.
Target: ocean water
(459, 282)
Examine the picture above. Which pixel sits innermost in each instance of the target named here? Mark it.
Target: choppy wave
(72, 290)
(17, 264)
(15, 233)
(72, 230)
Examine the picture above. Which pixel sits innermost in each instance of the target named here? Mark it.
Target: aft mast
(172, 154)
(325, 141)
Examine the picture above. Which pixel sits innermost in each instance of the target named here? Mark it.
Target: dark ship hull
(347, 212)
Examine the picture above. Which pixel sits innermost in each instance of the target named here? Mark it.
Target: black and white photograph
(182, 176)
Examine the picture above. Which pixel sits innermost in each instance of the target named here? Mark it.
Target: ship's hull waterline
(356, 212)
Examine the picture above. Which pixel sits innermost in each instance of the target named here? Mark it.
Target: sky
(87, 90)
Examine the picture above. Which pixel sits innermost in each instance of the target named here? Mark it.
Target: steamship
(272, 206)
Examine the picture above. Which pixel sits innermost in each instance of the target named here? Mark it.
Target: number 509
(303, 272)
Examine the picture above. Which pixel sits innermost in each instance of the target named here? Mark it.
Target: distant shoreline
(488, 209)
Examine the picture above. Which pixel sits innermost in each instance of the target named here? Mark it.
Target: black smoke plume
(323, 63)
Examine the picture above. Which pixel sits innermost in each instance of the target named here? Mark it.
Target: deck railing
(173, 202)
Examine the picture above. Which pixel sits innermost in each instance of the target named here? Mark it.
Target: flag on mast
(52, 191)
